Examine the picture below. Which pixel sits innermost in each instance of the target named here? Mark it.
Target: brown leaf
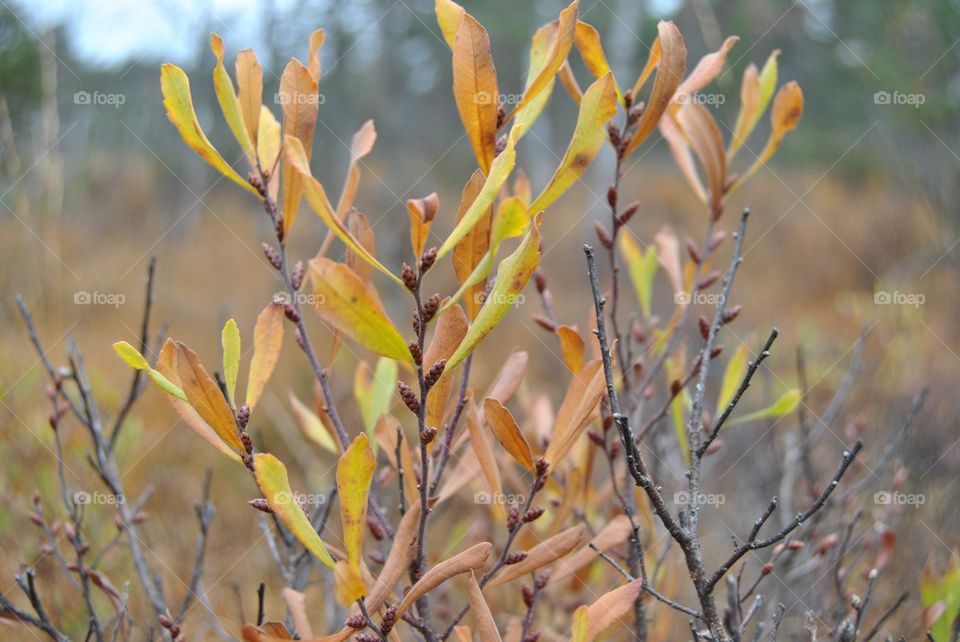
(510, 377)
(579, 404)
(707, 69)
(267, 341)
(542, 554)
(671, 66)
(707, 141)
(469, 560)
(617, 531)
(612, 607)
(475, 89)
(451, 327)
(482, 617)
(205, 397)
(469, 252)
(507, 432)
(298, 100)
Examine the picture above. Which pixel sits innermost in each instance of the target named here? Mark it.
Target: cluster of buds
(389, 620)
(434, 373)
(296, 277)
(356, 622)
(291, 313)
(428, 259)
(272, 255)
(515, 558)
(427, 435)
(408, 276)
(532, 515)
(430, 307)
(409, 397)
(416, 352)
(254, 179)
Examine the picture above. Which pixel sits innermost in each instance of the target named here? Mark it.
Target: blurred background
(860, 203)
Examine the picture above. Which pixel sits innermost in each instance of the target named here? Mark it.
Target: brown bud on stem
(409, 397)
(272, 255)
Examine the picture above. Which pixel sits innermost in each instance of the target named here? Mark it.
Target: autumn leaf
(298, 101)
(611, 608)
(496, 177)
(317, 198)
(680, 150)
(544, 553)
(671, 66)
(598, 106)
(230, 341)
(581, 625)
(784, 405)
(451, 327)
(229, 104)
(641, 267)
(178, 102)
(469, 251)
(271, 476)
(507, 432)
(786, 113)
(706, 70)
(732, 375)
(354, 476)
(449, 17)
(312, 426)
(375, 391)
(132, 357)
(512, 275)
(205, 397)
(540, 48)
(588, 44)
(348, 304)
(475, 89)
(267, 341)
(483, 618)
(756, 90)
(579, 404)
(705, 138)
(421, 212)
(469, 560)
(250, 93)
(483, 447)
(360, 145)
(268, 146)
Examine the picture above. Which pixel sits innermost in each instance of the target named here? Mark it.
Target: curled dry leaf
(706, 70)
(360, 146)
(542, 554)
(469, 560)
(704, 136)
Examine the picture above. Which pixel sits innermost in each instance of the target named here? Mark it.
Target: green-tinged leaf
(229, 103)
(204, 395)
(642, 267)
(132, 357)
(557, 55)
(499, 171)
(540, 48)
(348, 304)
(475, 89)
(317, 198)
(784, 405)
(786, 113)
(591, 50)
(581, 625)
(512, 275)
(756, 90)
(167, 365)
(298, 100)
(941, 589)
(375, 391)
(512, 219)
(732, 376)
(311, 425)
(671, 63)
(230, 340)
(272, 479)
(678, 407)
(598, 106)
(449, 16)
(179, 105)
(267, 341)
(354, 476)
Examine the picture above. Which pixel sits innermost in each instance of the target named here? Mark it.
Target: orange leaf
(204, 395)
(507, 432)
(475, 89)
(583, 395)
(267, 341)
(469, 560)
(298, 100)
(542, 554)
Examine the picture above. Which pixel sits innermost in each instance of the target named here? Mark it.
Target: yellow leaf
(497, 176)
(313, 53)
(205, 397)
(179, 105)
(578, 407)
(786, 113)
(507, 432)
(312, 426)
(230, 341)
(598, 106)
(653, 60)
(132, 357)
(581, 625)
(167, 365)
(250, 92)
(349, 305)
(732, 375)
(267, 341)
(296, 159)
(468, 253)
(271, 476)
(227, 97)
(360, 146)
(298, 101)
(591, 50)
(671, 65)
(354, 476)
(641, 266)
(483, 618)
(268, 142)
(566, 30)
(421, 212)
(571, 346)
(512, 275)
(784, 405)
(756, 90)
(449, 16)
(475, 89)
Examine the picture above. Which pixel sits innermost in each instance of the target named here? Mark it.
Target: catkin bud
(389, 619)
(704, 326)
(408, 276)
(415, 352)
(732, 313)
(694, 252)
(707, 280)
(428, 259)
(356, 621)
(613, 133)
(409, 397)
(247, 442)
(539, 280)
(605, 239)
(436, 371)
(430, 307)
(291, 313)
(612, 196)
(243, 416)
(628, 213)
(527, 596)
(515, 558)
(296, 278)
(427, 435)
(533, 514)
(261, 505)
(375, 529)
(272, 255)
(545, 323)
